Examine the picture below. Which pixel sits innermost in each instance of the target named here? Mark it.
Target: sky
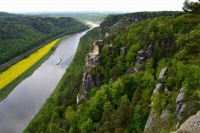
(89, 5)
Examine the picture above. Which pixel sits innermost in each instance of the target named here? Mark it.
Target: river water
(22, 104)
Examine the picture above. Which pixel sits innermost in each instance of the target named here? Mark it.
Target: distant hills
(20, 33)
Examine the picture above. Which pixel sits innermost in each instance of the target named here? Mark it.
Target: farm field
(19, 68)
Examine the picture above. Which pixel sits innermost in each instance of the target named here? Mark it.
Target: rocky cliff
(91, 78)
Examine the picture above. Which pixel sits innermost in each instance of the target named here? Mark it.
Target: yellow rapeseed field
(16, 70)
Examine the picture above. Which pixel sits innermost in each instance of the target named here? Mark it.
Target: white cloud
(89, 5)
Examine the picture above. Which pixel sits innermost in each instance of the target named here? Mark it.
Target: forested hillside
(19, 33)
(145, 78)
(84, 16)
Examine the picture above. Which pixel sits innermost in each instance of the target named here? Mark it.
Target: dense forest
(146, 78)
(20, 33)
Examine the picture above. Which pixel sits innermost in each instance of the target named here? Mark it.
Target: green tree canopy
(191, 7)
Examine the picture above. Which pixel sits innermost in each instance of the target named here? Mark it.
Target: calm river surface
(22, 104)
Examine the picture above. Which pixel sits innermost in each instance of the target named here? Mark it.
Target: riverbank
(23, 103)
(65, 92)
(6, 89)
(12, 62)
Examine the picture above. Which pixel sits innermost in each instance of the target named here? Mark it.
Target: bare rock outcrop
(153, 116)
(161, 75)
(160, 81)
(142, 55)
(180, 105)
(191, 125)
(150, 50)
(90, 77)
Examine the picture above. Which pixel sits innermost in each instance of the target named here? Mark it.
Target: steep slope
(149, 76)
(128, 67)
(19, 33)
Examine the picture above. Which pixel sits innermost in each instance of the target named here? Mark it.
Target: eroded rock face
(180, 105)
(153, 116)
(90, 79)
(164, 113)
(142, 55)
(157, 89)
(150, 50)
(89, 83)
(159, 85)
(97, 46)
(92, 60)
(80, 97)
(151, 119)
(191, 125)
(161, 75)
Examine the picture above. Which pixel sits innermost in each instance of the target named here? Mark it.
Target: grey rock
(92, 60)
(89, 83)
(150, 50)
(161, 75)
(141, 57)
(158, 88)
(191, 125)
(80, 97)
(164, 113)
(142, 53)
(180, 106)
(152, 117)
(180, 97)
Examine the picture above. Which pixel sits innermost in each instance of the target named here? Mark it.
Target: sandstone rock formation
(157, 90)
(90, 79)
(142, 55)
(191, 125)
(180, 106)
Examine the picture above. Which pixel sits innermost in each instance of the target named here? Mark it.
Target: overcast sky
(89, 5)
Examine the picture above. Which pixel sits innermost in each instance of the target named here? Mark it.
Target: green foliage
(65, 93)
(131, 55)
(160, 102)
(123, 102)
(21, 34)
(189, 44)
(191, 7)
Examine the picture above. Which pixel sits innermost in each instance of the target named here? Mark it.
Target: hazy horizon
(37, 6)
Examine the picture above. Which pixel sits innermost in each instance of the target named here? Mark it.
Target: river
(23, 103)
